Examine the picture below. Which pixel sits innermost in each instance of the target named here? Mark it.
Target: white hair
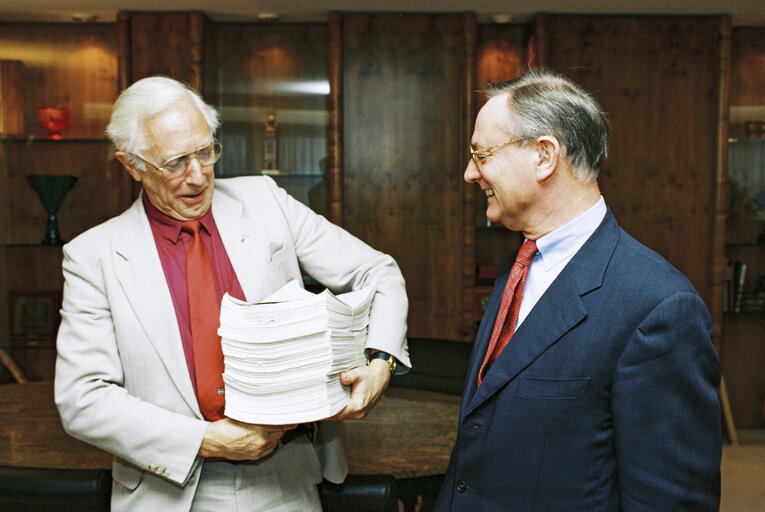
(146, 98)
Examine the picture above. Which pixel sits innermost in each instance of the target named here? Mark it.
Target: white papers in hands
(283, 355)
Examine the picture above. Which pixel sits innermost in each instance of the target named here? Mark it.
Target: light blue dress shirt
(554, 251)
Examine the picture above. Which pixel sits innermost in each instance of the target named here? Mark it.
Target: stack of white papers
(283, 355)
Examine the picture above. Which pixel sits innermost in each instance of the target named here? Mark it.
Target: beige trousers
(284, 482)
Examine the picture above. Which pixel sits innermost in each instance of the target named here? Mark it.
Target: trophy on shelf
(270, 165)
(53, 119)
(51, 190)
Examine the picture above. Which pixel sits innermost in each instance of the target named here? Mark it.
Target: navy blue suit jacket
(605, 399)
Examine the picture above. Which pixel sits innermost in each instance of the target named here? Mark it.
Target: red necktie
(511, 302)
(204, 312)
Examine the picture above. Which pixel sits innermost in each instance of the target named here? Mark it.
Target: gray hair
(143, 99)
(544, 103)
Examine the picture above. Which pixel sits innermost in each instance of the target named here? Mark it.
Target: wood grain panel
(403, 144)
(468, 313)
(657, 78)
(170, 44)
(335, 122)
(11, 97)
(743, 358)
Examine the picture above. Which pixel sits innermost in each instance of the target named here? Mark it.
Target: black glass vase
(51, 190)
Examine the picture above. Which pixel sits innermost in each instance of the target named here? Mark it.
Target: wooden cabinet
(743, 353)
(277, 70)
(59, 64)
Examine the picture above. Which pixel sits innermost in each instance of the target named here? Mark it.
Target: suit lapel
(558, 311)
(240, 240)
(139, 271)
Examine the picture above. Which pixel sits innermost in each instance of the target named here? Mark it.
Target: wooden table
(410, 433)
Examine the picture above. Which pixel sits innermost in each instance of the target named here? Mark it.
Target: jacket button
(461, 486)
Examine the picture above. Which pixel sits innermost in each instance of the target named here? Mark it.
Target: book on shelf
(739, 276)
(734, 278)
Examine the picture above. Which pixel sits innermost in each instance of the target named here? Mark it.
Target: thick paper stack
(283, 355)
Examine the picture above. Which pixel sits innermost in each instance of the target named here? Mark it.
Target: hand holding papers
(283, 355)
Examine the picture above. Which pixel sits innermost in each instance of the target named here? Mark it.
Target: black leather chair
(360, 493)
(54, 490)
(89, 490)
(437, 365)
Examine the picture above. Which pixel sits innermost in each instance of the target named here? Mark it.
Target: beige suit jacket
(122, 383)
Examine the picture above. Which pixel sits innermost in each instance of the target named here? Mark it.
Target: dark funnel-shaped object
(51, 190)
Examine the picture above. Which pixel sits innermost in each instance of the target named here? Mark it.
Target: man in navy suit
(605, 396)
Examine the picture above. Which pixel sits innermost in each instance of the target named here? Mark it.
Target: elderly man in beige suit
(124, 374)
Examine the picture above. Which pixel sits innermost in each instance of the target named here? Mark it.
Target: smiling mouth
(194, 196)
(489, 192)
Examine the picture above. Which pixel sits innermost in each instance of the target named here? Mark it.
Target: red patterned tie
(511, 302)
(204, 312)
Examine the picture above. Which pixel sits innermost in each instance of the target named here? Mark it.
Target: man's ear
(122, 156)
(548, 157)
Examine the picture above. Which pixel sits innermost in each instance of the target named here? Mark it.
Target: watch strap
(388, 358)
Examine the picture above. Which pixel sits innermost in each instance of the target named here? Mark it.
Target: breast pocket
(552, 388)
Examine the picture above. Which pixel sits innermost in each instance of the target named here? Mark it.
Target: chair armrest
(370, 493)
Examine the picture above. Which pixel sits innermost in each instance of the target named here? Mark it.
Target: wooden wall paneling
(11, 97)
(404, 154)
(170, 44)
(743, 357)
(717, 225)
(335, 121)
(657, 78)
(468, 313)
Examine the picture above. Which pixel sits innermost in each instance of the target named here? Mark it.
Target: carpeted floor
(743, 473)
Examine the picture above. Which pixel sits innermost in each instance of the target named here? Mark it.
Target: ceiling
(742, 12)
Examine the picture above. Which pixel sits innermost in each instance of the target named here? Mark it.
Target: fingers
(349, 377)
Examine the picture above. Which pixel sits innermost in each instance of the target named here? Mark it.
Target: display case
(743, 353)
(270, 85)
(46, 64)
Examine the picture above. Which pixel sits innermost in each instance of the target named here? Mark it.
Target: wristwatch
(387, 357)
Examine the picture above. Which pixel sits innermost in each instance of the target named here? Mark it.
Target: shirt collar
(564, 242)
(168, 227)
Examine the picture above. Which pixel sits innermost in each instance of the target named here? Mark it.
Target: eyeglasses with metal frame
(176, 166)
(479, 155)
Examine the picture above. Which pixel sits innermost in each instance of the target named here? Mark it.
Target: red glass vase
(53, 119)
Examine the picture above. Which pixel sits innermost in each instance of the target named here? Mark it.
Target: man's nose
(472, 173)
(195, 172)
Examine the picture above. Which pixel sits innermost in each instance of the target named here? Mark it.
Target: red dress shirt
(172, 244)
